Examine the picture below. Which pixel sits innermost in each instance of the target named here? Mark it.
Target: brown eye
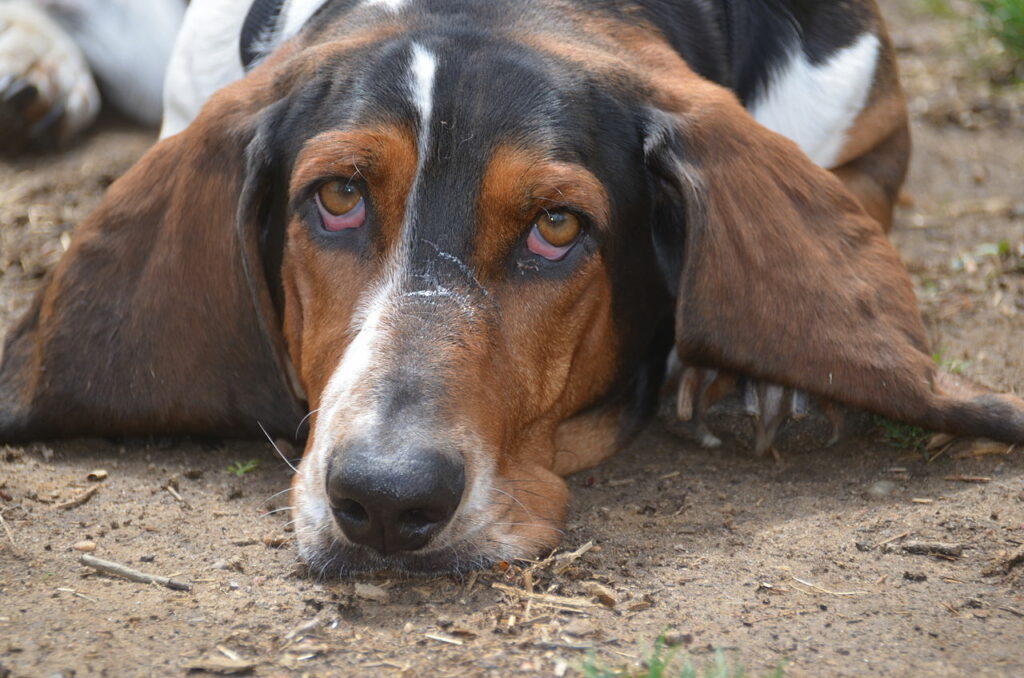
(339, 198)
(559, 229)
(553, 234)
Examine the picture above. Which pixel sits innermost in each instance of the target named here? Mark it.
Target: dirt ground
(802, 563)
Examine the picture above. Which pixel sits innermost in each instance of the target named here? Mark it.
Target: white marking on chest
(393, 5)
(815, 104)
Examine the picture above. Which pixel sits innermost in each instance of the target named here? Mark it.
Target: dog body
(463, 236)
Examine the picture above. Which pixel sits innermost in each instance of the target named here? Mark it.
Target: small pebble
(85, 546)
(677, 638)
(371, 592)
(97, 475)
(882, 488)
(147, 559)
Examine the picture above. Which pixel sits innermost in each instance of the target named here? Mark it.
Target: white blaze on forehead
(393, 5)
(815, 104)
(422, 69)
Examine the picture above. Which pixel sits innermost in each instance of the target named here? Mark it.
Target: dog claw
(769, 417)
(699, 389)
(769, 405)
(834, 414)
(800, 405)
(689, 392)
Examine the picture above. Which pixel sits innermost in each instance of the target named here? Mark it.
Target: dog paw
(47, 93)
(749, 411)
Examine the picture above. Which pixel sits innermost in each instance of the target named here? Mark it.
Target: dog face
(464, 240)
(449, 296)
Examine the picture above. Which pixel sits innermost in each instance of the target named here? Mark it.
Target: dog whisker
(276, 494)
(277, 449)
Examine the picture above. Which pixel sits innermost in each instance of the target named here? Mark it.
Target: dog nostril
(351, 511)
(418, 519)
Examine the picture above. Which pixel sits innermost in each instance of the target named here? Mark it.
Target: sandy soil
(802, 563)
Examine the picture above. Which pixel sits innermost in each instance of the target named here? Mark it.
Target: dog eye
(553, 234)
(341, 205)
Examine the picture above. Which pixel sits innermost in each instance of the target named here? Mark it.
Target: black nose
(393, 502)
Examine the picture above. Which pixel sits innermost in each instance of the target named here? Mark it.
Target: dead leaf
(371, 592)
(604, 595)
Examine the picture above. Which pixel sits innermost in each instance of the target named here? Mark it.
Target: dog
(52, 52)
(458, 239)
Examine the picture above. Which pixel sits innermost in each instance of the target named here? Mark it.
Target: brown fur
(148, 325)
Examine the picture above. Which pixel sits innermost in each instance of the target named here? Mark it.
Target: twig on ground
(831, 593)
(7, 531)
(983, 450)
(787, 613)
(110, 567)
(174, 493)
(548, 598)
(76, 593)
(969, 479)
(891, 539)
(927, 548)
(303, 629)
(80, 499)
(443, 639)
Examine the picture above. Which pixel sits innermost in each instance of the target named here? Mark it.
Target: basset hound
(459, 239)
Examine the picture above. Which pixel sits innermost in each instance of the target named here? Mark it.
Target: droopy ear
(158, 319)
(783, 276)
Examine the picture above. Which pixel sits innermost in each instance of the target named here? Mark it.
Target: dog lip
(342, 560)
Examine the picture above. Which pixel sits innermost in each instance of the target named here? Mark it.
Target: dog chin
(327, 553)
(333, 556)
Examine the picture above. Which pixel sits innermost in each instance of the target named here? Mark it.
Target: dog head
(465, 239)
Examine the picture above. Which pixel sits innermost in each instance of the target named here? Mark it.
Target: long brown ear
(157, 319)
(783, 277)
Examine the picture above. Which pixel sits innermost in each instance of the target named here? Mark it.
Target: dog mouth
(341, 560)
(469, 543)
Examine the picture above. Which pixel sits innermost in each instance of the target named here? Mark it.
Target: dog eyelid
(553, 233)
(341, 204)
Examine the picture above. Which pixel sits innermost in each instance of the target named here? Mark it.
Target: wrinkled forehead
(460, 89)
(458, 99)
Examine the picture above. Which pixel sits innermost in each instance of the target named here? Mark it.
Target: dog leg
(128, 44)
(47, 94)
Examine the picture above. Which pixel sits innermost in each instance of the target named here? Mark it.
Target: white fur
(205, 58)
(422, 70)
(392, 5)
(814, 105)
(311, 509)
(296, 13)
(128, 44)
